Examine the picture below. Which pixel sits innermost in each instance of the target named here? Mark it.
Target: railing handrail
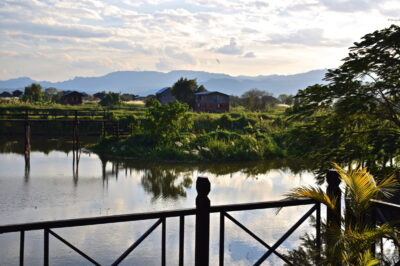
(262, 205)
(95, 220)
(385, 203)
(149, 215)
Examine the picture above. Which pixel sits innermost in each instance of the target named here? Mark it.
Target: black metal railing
(202, 213)
(83, 114)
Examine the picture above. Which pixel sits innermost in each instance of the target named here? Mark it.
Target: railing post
(202, 235)
(46, 247)
(27, 148)
(27, 135)
(333, 217)
(318, 242)
(117, 128)
(21, 248)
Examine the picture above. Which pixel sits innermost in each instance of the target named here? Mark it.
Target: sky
(56, 40)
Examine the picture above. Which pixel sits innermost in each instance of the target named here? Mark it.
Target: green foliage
(168, 120)
(149, 100)
(33, 93)
(225, 146)
(354, 118)
(184, 90)
(51, 95)
(353, 238)
(254, 100)
(286, 99)
(111, 99)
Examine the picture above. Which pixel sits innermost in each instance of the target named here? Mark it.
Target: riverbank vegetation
(170, 132)
(353, 119)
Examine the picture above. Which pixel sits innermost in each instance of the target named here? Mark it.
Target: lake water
(53, 189)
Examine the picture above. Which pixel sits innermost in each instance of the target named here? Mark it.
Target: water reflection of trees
(27, 167)
(12, 144)
(249, 169)
(165, 183)
(171, 180)
(161, 180)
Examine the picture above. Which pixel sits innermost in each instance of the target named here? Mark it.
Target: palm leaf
(366, 259)
(315, 193)
(388, 186)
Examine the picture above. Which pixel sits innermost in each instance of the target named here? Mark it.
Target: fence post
(202, 235)
(318, 242)
(333, 217)
(27, 135)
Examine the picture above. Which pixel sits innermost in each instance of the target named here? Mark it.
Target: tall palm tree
(354, 236)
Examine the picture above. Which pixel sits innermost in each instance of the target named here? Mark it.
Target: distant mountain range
(148, 82)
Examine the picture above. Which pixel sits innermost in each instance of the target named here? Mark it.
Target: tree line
(253, 100)
(184, 90)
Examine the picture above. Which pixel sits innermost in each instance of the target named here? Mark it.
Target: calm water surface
(54, 189)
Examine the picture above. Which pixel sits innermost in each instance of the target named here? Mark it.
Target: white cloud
(306, 37)
(232, 48)
(350, 5)
(249, 55)
(51, 28)
(170, 34)
(164, 64)
(174, 52)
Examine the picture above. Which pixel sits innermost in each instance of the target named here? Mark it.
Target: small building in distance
(99, 95)
(17, 93)
(165, 95)
(211, 101)
(5, 94)
(72, 97)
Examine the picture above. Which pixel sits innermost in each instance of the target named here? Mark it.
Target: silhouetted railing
(202, 233)
(34, 114)
(386, 212)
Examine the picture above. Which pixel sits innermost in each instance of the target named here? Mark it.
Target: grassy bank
(213, 146)
(170, 132)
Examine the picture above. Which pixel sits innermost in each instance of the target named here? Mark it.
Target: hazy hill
(147, 82)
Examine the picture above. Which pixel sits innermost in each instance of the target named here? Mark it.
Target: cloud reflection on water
(52, 193)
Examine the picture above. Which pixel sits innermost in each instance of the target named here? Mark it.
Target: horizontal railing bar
(261, 205)
(95, 220)
(73, 247)
(256, 238)
(150, 215)
(384, 203)
(140, 240)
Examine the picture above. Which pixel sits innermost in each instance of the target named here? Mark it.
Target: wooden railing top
(385, 203)
(149, 215)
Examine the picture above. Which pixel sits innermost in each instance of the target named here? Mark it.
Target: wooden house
(165, 95)
(17, 93)
(72, 97)
(211, 101)
(5, 94)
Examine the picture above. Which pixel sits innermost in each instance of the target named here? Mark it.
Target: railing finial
(203, 186)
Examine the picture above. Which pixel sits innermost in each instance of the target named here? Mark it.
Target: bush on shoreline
(213, 146)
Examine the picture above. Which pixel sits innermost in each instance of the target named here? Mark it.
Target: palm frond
(361, 186)
(388, 186)
(311, 192)
(368, 234)
(366, 259)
